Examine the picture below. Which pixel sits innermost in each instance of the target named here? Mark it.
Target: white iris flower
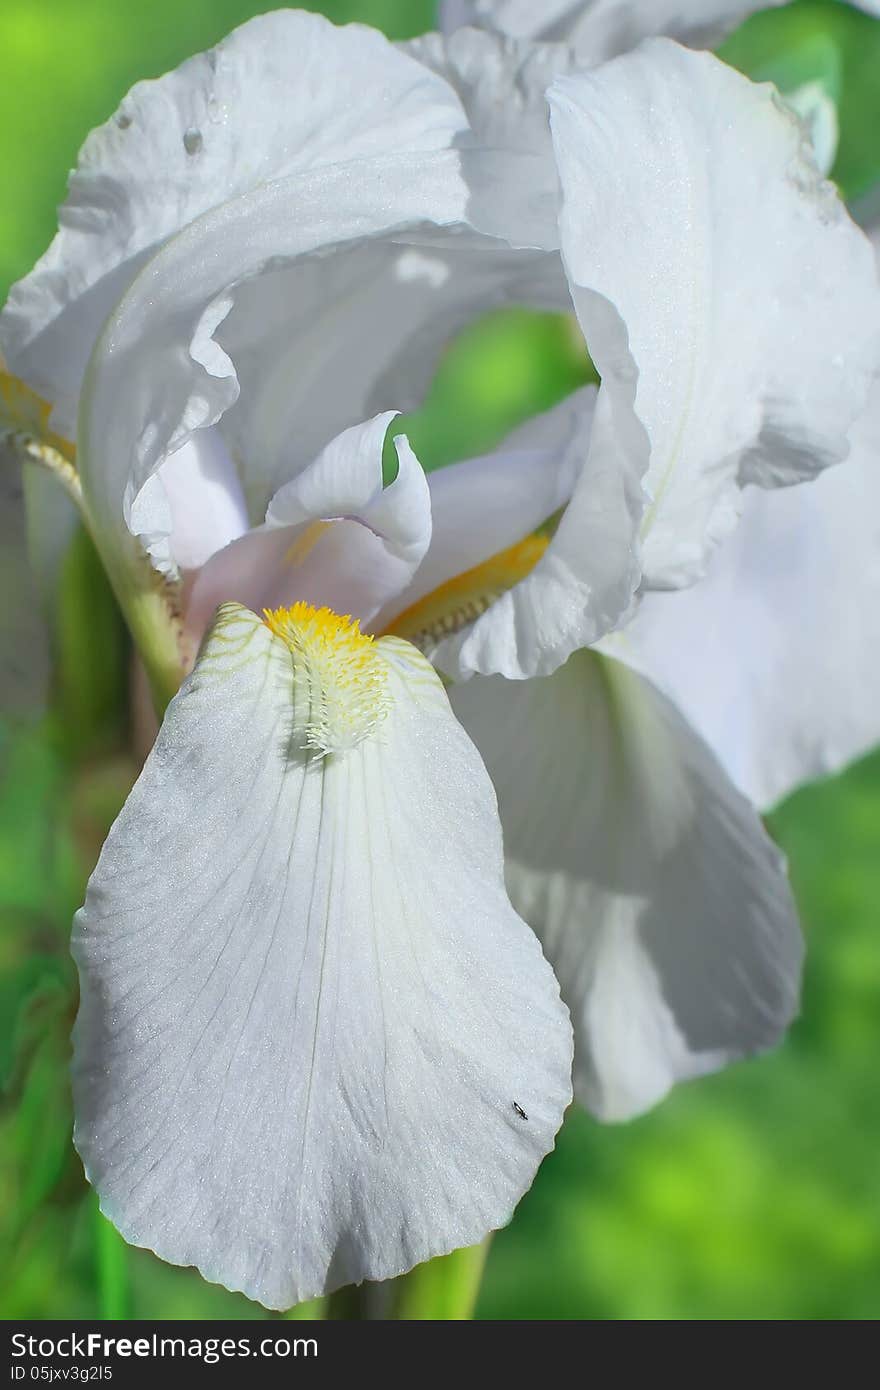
(317, 1043)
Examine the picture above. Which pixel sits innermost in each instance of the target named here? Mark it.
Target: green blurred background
(755, 1194)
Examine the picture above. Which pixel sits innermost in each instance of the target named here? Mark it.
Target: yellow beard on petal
(345, 675)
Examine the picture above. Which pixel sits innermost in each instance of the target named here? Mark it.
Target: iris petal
(309, 1011)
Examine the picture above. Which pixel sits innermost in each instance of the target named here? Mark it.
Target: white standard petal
(168, 359)
(316, 1044)
(193, 506)
(286, 92)
(326, 341)
(775, 655)
(483, 506)
(375, 539)
(333, 536)
(601, 29)
(502, 83)
(694, 218)
(523, 610)
(660, 901)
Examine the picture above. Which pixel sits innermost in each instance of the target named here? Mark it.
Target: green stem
(442, 1290)
(111, 1258)
(153, 630)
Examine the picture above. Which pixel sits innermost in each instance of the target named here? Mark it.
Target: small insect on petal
(519, 1110)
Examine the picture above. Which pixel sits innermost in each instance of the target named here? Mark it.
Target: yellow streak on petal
(306, 542)
(21, 409)
(24, 426)
(461, 600)
(344, 676)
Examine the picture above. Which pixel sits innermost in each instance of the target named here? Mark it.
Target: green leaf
(35, 998)
(91, 653)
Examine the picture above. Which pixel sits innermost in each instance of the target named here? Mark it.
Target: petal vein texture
(307, 1005)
